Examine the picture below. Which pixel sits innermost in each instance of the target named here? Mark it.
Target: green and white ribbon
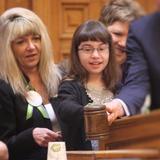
(41, 109)
(34, 99)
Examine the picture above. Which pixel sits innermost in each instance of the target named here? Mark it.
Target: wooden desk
(114, 154)
(136, 132)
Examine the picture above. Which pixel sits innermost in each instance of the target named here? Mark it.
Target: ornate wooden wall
(63, 16)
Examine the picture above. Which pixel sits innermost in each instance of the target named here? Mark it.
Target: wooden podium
(136, 132)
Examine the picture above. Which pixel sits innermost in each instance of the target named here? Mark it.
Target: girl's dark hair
(93, 30)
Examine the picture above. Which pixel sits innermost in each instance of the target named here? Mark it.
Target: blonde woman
(28, 81)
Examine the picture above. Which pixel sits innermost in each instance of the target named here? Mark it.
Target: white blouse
(52, 116)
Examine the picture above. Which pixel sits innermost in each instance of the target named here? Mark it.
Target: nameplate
(56, 151)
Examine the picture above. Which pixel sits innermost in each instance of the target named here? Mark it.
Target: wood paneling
(63, 16)
(148, 5)
(48, 12)
(18, 3)
(2, 6)
(71, 14)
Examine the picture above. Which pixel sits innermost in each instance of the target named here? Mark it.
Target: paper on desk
(56, 151)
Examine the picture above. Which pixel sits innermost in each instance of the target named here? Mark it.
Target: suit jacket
(143, 63)
(69, 104)
(15, 130)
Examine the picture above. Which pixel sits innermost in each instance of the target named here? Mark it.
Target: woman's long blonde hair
(17, 22)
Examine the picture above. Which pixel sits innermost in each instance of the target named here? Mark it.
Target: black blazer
(15, 130)
(72, 97)
(143, 47)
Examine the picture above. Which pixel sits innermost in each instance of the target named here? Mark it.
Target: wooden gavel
(95, 122)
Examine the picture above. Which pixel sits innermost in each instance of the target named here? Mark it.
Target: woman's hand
(43, 135)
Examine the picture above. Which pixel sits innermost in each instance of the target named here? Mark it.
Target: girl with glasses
(92, 79)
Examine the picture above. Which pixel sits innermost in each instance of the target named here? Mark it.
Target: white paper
(56, 151)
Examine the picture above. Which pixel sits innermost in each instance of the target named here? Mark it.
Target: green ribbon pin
(41, 109)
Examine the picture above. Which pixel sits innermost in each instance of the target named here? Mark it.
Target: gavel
(95, 122)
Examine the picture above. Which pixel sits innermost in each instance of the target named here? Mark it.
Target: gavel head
(95, 121)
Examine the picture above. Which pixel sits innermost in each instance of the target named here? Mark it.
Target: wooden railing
(140, 131)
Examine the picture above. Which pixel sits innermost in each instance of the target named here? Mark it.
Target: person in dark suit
(28, 81)
(3, 151)
(142, 74)
(117, 16)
